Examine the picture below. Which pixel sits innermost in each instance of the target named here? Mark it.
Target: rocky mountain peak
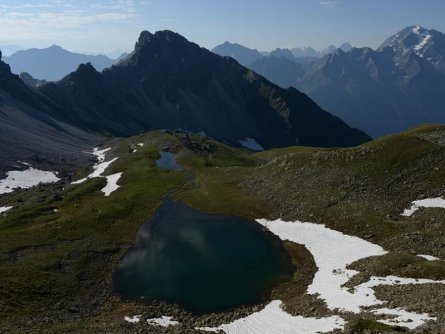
(144, 38)
(170, 83)
(85, 73)
(147, 38)
(411, 39)
(56, 47)
(151, 46)
(86, 68)
(422, 42)
(286, 53)
(346, 47)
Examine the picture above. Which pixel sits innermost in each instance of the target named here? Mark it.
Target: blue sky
(106, 25)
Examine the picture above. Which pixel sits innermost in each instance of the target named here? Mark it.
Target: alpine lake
(203, 262)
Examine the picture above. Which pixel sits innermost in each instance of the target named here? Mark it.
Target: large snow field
(273, 320)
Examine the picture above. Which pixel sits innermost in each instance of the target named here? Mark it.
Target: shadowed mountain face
(30, 81)
(280, 70)
(284, 53)
(53, 63)
(400, 85)
(168, 82)
(29, 134)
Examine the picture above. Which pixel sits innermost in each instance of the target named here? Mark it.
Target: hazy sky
(106, 25)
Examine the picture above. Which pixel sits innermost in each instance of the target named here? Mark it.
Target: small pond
(167, 161)
(204, 262)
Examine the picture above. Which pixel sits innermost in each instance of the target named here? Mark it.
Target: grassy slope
(362, 191)
(49, 256)
(59, 263)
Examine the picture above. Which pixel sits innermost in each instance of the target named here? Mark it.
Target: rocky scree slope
(28, 134)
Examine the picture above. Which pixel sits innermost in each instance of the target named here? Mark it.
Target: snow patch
(111, 184)
(273, 320)
(429, 257)
(100, 154)
(403, 318)
(424, 203)
(332, 254)
(141, 144)
(423, 43)
(25, 179)
(251, 144)
(99, 169)
(393, 280)
(133, 320)
(5, 208)
(163, 321)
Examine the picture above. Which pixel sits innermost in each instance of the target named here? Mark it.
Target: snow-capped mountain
(383, 91)
(425, 43)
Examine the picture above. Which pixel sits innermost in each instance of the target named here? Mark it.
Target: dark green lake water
(204, 262)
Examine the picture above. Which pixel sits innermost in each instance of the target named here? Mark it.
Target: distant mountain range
(240, 53)
(53, 63)
(9, 49)
(246, 56)
(397, 86)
